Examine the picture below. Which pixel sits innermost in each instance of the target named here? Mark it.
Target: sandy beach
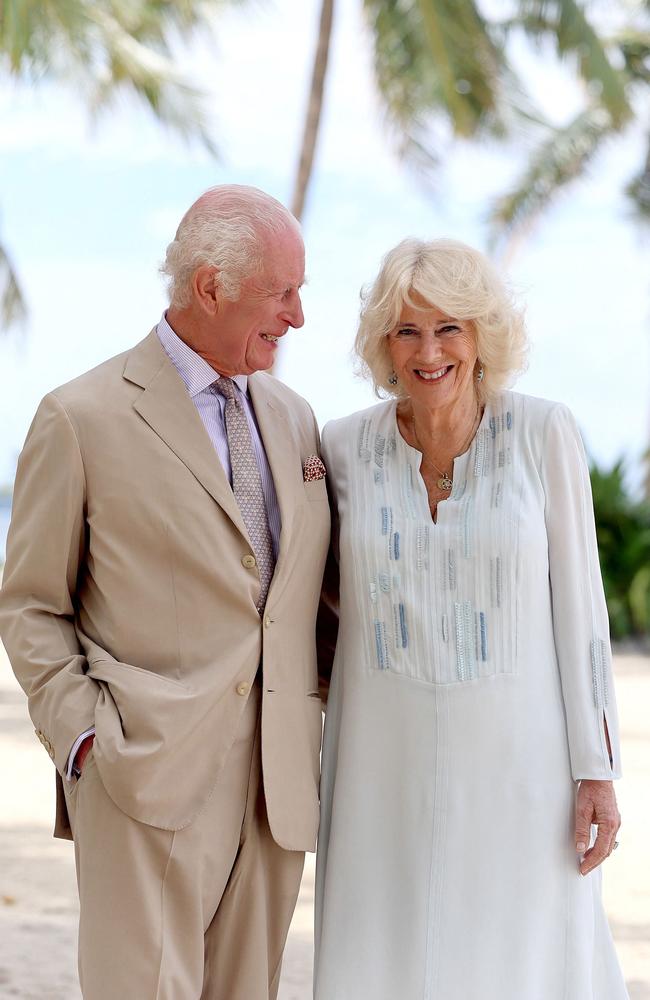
(38, 904)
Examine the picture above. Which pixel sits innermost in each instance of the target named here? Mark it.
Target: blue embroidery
(422, 547)
(481, 455)
(381, 645)
(363, 441)
(599, 672)
(402, 625)
(496, 581)
(483, 627)
(380, 445)
(465, 640)
(409, 490)
(466, 526)
(386, 520)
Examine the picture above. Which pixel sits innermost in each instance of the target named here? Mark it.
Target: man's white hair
(226, 228)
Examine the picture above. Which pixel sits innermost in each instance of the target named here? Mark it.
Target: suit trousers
(195, 914)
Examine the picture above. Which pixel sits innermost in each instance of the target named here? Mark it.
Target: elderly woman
(471, 731)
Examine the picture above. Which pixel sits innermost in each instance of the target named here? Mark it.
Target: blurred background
(519, 126)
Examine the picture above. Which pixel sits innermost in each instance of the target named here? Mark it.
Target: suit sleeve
(45, 549)
(580, 620)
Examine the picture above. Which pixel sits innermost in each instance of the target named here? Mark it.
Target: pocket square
(313, 469)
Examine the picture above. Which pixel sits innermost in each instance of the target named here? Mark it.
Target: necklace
(445, 482)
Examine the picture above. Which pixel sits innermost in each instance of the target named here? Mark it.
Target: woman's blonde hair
(462, 283)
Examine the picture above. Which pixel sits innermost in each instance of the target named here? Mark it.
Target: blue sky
(86, 210)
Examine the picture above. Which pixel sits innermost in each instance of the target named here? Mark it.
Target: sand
(38, 903)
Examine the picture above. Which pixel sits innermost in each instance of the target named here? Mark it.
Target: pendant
(445, 483)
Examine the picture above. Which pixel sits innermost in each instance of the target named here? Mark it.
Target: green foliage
(12, 304)
(103, 48)
(445, 61)
(623, 531)
(615, 69)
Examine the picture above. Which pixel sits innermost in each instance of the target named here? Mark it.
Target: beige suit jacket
(128, 604)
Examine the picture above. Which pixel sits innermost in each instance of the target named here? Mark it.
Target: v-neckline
(410, 450)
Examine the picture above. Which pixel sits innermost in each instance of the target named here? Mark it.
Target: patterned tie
(247, 485)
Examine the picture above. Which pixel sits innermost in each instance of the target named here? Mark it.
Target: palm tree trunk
(314, 110)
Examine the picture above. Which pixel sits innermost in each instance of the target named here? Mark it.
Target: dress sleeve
(580, 621)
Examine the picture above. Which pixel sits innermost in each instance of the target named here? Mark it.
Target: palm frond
(437, 64)
(559, 159)
(13, 310)
(634, 46)
(435, 56)
(638, 191)
(565, 23)
(128, 63)
(104, 46)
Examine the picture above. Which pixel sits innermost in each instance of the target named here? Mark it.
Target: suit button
(268, 621)
(248, 561)
(243, 688)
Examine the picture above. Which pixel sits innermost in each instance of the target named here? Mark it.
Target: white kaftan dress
(471, 686)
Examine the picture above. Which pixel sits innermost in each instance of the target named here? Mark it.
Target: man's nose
(293, 314)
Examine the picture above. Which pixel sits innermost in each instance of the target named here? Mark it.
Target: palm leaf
(565, 23)
(638, 191)
(104, 46)
(12, 304)
(559, 159)
(151, 75)
(436, 62)
(634, 45)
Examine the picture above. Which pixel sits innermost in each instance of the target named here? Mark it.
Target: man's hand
(83, 752)
(596, 804)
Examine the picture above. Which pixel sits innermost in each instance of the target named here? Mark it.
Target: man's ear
(205, 285)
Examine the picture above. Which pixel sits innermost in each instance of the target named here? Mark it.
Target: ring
(615, 845)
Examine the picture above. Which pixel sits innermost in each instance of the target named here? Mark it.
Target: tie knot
(225, 387)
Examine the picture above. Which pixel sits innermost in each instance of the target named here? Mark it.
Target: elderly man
(163, 572)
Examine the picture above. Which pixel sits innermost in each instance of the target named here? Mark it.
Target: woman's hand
(596, 804)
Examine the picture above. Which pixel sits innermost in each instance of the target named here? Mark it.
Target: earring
(480, 375)
(392, 379)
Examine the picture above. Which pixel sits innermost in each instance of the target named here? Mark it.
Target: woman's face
(433, 355)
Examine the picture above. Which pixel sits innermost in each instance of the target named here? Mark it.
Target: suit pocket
(137, 706)
(316, 490)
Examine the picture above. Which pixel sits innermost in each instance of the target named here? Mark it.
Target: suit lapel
(168, 409)
(274, 422)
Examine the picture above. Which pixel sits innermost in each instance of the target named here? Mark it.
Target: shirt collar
(195, 371)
